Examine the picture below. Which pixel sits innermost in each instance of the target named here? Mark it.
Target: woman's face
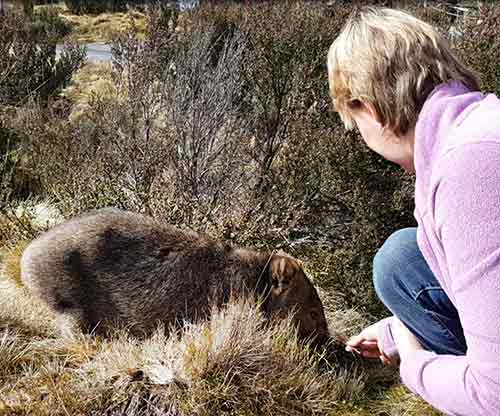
(383, 141)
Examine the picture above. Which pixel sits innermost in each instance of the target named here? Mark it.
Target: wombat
(112, 267)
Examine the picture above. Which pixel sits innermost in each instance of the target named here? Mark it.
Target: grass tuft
(92, 84)
(232, 364)
(399, 401)
(12, 261)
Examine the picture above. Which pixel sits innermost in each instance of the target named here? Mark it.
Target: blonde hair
(391, 60)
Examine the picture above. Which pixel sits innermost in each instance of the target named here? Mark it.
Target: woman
(396, 79)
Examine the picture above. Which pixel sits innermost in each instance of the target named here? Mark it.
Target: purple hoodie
(457, 207)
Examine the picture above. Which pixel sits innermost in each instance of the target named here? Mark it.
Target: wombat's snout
(312, 325)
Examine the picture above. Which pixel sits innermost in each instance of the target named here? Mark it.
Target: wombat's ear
(285, 270)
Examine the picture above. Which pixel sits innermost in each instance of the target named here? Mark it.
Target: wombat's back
(111, 265)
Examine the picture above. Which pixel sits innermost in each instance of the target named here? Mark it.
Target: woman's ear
(365, 108)
(373, 112)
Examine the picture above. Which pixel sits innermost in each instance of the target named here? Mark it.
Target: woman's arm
(466, 213)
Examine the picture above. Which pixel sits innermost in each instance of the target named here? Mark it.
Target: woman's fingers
(361, 347)
(365, 343)
(361, 338)
(370, 353)
(368, 334)
(358, 340)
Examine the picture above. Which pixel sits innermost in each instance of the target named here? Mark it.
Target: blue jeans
(405, 284)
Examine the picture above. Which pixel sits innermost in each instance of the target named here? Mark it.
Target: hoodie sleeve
(386, 340)
(466, 215)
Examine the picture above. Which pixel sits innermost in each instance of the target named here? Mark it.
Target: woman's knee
(390, 262)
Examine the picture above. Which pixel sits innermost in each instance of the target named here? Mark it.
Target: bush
(479, 43)
(16, 182)
(47, 20)
(29, 67)
(29, 71)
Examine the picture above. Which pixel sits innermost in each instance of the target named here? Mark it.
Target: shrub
(123, 151)
(29, 70)
(29, 67)
(47, 20)
(479, 43)
(11, 182)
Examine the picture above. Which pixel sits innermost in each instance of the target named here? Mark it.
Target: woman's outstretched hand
(366, 344)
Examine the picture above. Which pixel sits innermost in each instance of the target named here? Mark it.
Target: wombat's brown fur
(113, 267)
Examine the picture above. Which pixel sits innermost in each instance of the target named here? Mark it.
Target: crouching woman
(396, 79)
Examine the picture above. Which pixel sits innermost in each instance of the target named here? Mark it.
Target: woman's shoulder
(469, 158)
(477, 126)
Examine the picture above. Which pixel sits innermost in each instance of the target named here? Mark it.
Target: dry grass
(94, 82)
(233, 364)
(23, 314)
(11, 264)
(18, 226)
(101, 27)
(4, 232)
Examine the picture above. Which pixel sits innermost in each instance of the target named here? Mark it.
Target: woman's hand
(366, 345)
(404, 339)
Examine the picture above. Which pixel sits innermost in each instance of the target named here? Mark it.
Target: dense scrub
(221, 120)
(30, 72)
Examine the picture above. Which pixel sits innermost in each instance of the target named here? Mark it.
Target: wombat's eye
(314, 315)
